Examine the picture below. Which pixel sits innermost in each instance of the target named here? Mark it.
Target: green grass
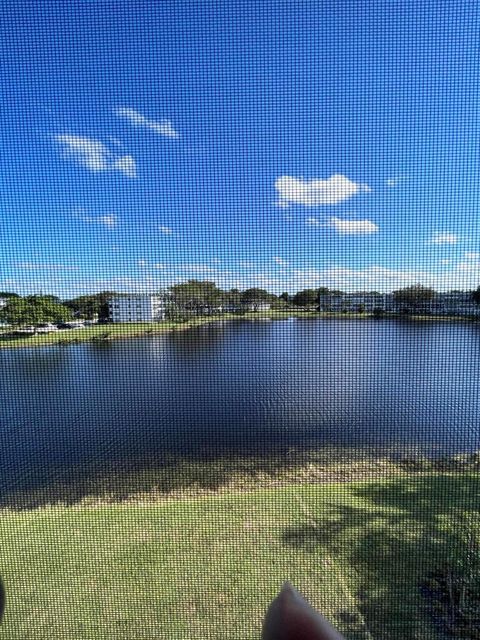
(207, 567)
(108, 332)
(103, 332)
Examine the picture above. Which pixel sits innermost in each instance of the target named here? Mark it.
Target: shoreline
(98, 334)
(176, 477)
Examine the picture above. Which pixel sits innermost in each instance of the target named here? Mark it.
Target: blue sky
(276, 144)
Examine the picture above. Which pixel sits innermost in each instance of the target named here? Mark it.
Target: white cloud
(281, 262)
(126, 165)
(372, 278)
(163, 127)
(110, 220)
(333, 190)
(393, 182)
(353, 227)
(196, 268)
(165, 230)
(464, 275)
(91, 153)
(45, 266)
(444, 238)
(94, 155)
(345, 227)
(470, 263)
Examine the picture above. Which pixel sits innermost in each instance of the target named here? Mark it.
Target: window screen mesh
(239, 318)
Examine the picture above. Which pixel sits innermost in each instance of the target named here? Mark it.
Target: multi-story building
(446, 303)
(456, 303)
(368, 301)
(137, 307)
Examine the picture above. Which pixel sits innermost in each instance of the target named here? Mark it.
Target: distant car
(46, 327)
(62, 325)
(24, 331)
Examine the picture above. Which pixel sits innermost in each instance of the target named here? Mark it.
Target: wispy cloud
(94, 155)
(393, 182)
(163, 127)
(165, 230)
(110, 220)
(281, 262)
(126, 165)
(197, 268)
(45, 266)
(347, 279)
(444, 238)
(353, 227)
(345, 227)
(315, 192)
(463, 274)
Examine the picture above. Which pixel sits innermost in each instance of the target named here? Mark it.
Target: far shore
(101, 333)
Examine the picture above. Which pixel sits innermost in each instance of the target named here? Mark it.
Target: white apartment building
(137, 307)
(444, 303)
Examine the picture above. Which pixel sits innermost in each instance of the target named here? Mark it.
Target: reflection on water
(190, 342)
(243, 386)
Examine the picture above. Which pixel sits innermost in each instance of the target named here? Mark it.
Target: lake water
(246, 386)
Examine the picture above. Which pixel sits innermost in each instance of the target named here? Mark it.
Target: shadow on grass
(389, 537)
(35, 485)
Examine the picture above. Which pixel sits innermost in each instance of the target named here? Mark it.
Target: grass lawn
(99, 332)
(206, 567)
(131, 330)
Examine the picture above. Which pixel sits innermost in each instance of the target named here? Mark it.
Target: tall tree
(33, 310)
(91, 306)
(253, 295)
(306, 298)
(196, 294)
(414, 296)
(476, 296)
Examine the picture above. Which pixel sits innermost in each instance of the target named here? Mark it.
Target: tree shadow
(388, 540)
(35, 484)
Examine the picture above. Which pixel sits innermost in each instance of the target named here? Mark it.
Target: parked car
(46, 327)
(24, 331)
(74, 324)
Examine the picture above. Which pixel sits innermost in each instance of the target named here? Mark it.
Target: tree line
(191, 296)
